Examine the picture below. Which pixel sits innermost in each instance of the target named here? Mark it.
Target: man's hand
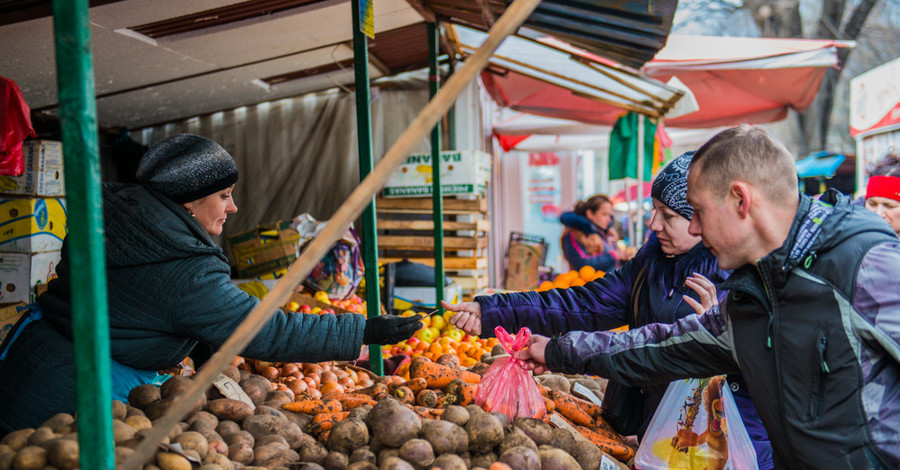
(533, 354)
(467, 317)
(390, 329)
(707, 291)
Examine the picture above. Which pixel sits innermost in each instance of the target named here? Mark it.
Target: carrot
(416, 385)
(566, 406)
(405, 395)
(323, 438)
(455, 387)
(589, 408)
(467, 394)
(374, 390)
(333, 417)
(615, 447)
(351, 402)
(550, 404)
(319, 428)
(545, 392)
(312, 407)
(439, 376)
(427, 398)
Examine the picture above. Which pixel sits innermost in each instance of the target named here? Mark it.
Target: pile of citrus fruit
(438, 337)
(571, 279)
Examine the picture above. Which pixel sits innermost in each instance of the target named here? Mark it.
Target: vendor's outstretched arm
(694, 346)
(578, 222)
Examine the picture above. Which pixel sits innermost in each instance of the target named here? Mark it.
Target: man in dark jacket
(812, 318)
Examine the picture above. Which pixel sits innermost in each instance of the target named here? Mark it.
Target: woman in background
(883, 190)
(586, 239)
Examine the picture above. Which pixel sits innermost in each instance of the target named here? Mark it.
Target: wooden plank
(469, 282)
(387, 224)
(450, 263)
(416, 242)
(423, 205)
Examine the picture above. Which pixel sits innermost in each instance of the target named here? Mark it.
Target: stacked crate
(406, 231)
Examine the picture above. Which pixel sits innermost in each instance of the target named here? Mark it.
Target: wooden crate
(406, 231)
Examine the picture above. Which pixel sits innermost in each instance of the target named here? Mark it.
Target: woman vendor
(169, 289)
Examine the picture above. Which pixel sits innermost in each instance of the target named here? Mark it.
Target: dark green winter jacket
(169, 289)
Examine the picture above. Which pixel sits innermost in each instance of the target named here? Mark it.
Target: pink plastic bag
(14, 128)
(507, 386)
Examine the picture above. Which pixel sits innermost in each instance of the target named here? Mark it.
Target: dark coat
(813, 328)
(169, 289)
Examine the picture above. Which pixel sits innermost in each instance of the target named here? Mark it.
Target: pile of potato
(387, 431)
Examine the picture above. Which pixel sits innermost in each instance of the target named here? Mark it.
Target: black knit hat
(670, 186)
(187, 167)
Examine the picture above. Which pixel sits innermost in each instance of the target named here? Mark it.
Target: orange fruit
(577, 282)
(599, 275)
(561, 284)
(545, 286)
(586, 273)
(476, 354)
(435, 348)
(468, 362)
(331, 387)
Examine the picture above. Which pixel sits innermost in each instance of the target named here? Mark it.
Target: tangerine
(587, 273)
(545, 286)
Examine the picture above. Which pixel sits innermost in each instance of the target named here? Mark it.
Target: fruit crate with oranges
(571, 279)
(438, 337)
(406, 231)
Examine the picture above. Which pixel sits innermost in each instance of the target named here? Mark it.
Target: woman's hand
(534, 354)
(467, 317)
(707, 291)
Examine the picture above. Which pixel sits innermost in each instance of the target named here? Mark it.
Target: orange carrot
(312, 407)
(351, 402)
(590, 408)
(323, 437)
(439, 376)
(333, 417)
(467, 394)
(374, 390)
(566, 406)
(416, 385)
(405, 395)
(550, 404)
(615, 447)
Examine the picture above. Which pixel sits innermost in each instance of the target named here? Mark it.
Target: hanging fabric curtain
(623, 147)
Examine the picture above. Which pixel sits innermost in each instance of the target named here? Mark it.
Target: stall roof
(520, 65)
(628, 32)
(734, 80)
(162, 60)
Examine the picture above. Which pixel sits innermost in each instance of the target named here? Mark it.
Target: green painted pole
(434, 82)
(451, 114)
(366, 162)
(90, 326)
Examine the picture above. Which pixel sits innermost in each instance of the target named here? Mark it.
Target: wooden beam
(478, 225)
(423, 205)
(426, 12)
(451, 263)
(405, 242)
(486, 12)
(378, 64)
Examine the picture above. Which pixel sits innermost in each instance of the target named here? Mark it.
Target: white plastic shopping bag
(697, 426)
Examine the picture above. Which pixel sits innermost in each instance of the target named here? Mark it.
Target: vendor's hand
(533, 354)
(707, 291)
(467, 317)
(390, 329)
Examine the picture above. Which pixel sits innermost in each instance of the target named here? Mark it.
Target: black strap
(639, 282)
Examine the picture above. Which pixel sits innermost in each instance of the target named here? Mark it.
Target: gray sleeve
(694, 346)
(877, 298)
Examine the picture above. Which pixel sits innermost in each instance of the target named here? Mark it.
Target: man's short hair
(750, 154)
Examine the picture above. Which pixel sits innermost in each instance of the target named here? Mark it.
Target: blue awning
(819, 164)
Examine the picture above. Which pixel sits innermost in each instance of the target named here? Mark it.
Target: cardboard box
(406, 298)
(20, 273)
(43, 171)
(462, 172)
(32, 225)
(265, 249)
(9, 315)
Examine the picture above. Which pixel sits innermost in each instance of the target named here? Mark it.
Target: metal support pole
(451, 115)
(366, 162)
(434, 77)
(90, 325)
(639, 232)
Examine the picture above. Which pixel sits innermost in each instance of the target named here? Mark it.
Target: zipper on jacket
(771, 324)
(821, 346)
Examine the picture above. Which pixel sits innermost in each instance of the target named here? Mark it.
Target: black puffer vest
(793, 336)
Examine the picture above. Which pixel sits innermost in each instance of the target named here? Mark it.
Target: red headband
(884, 186)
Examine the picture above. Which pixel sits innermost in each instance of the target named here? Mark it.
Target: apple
(426, 335)
(412, 341)
(305, 309)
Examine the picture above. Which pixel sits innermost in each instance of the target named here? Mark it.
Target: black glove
(390, 329)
